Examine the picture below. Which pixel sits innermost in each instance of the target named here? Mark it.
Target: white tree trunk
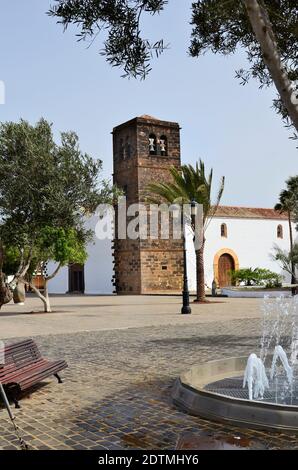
(262, 28)
(44, 298)
(47, 305)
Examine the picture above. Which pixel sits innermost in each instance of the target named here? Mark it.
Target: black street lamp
(185, 294)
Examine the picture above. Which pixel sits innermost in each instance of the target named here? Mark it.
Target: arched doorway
(225, 266)
(225, 260)
(76, 279)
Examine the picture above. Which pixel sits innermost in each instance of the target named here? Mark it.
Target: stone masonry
(144, 150)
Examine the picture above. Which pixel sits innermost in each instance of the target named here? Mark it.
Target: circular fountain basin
(214, 391)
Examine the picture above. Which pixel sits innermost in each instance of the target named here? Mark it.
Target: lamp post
(185, 294)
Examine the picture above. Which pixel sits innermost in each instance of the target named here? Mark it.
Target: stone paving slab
(116, 393)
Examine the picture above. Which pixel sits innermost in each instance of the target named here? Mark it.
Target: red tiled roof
(249, 213)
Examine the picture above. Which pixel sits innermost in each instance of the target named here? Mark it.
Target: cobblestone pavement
(116, 391)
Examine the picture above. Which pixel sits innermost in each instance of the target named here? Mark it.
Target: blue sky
(232, 128)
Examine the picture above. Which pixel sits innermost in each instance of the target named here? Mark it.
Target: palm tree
(286, 205)
(191, 184)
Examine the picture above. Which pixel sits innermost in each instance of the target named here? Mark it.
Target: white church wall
(191, 259)
(59, 284)
(251, 239)
(98, 267)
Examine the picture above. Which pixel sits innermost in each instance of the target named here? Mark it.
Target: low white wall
(255, 294)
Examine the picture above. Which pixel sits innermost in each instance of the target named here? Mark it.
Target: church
(144, 149)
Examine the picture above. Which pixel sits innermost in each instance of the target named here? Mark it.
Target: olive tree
(46, 191)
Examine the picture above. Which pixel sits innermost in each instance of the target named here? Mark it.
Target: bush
(257, 277)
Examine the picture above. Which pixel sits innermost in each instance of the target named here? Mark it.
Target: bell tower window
(163, 145)
(152, 144)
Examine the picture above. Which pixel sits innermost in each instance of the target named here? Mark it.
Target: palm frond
(189, 184)
(166, 192)
(214, 207)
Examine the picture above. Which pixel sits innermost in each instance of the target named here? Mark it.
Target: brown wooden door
(225, 265)
(76, 279)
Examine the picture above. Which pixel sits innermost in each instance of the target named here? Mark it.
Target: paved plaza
(124, 354)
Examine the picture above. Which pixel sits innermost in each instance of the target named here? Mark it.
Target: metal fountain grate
(232, 387)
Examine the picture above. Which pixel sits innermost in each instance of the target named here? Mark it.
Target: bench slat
(43, 365)
(15, 373)
(40, 375)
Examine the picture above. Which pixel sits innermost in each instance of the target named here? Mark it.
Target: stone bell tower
(144, 149)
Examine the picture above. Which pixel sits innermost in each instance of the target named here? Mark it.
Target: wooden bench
(24, 367)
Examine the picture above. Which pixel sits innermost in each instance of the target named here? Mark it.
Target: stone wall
(145, 266)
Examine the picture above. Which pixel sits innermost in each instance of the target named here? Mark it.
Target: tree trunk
(43, 297)
(19, 294)
(47, 305)
(262, 28)
(201, 297)
(5, 292)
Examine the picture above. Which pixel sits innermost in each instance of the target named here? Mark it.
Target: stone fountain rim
(197, 401)
(221, 376)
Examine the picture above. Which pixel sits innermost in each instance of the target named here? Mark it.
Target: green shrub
(257, 277)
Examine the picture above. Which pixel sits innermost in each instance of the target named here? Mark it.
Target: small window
(152, 144)
(280, 231)
(163, 145)
(224, 230)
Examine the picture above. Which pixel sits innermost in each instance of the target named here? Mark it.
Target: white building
(144, 149)
(241, 237)
(237, 237)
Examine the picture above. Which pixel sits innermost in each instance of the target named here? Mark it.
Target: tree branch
(37, 291)
(262, 28)
(48, 278)
(23, 268)
(19, 270)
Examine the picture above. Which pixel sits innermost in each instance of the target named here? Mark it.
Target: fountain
(255, 377)
(280, 353)
(259, 391)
